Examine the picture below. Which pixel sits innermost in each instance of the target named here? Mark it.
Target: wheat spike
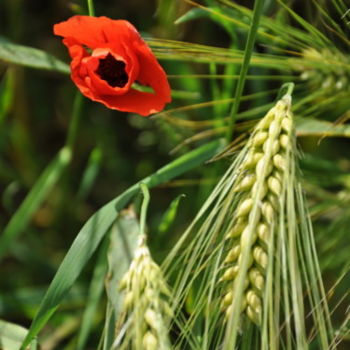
(145, 306)
(260, 179)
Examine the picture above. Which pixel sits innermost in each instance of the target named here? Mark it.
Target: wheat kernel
(287, 124)
(253, 315)
(266, 121)
(273, 200)
(267, 211)
(230, 273)
(263, 164)
(260, 256)
(245, 207)
(263, 232)
(233, 254)
(253, 300)
(284, 141)
(149, 341)
(274, 185)
(128, 300)
(246, 183)
(227, 300)
(151, 318)
(259, 138)
(246, 236)
(252, 160)
(230, 308)
(237, 229)
(274, 128)
(256, 279)
(279, 162)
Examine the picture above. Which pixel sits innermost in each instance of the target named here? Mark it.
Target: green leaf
(192, 14)
(31, 57)
(315, 127)
(34, 199)
(94, 296)
(12, 336)
(98, 225)
(169, 216)
(6, 93)
(257, 11)
(90, 173)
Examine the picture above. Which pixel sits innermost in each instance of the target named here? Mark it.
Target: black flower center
(112, 71)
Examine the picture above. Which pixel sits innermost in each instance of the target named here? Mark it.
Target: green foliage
(12, 53)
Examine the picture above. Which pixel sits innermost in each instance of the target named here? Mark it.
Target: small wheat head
(145, 303)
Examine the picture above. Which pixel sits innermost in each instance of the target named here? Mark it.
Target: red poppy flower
(108, 56)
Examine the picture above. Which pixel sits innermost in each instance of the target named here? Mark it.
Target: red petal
(151, 73)
(143, 103)
(95, 32)
(122, 40)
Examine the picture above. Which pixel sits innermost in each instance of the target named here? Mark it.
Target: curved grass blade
(31, 57)
(12, 335)
(95, 292)
(258, 7)
(34, 199)
(95, 229)
(170, 214)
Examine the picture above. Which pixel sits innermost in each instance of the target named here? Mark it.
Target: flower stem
(91, 8)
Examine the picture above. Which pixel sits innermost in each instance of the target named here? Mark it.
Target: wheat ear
(146, 309)
(260, 181)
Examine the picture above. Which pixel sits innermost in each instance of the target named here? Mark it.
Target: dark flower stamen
(112, 71)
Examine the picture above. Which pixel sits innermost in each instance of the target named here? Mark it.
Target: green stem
(74, 124)
(286, 89)
(258, 6)
(144, 208)
(91, 8)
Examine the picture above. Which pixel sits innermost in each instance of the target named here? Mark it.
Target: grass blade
(30, 57)
(95, 292)
(258, 6)
(34, 199)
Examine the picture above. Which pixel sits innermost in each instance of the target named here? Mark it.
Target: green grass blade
(95, 292)
(258, 7)
(6, 93)
(170, 214)
(12, 335)
(90, 173)
(315, 127)
(34, 199)
(30, 57)
(95, 229)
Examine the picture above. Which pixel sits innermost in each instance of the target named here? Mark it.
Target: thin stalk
(144, 208)
(257, 11)
(74, 123)
(91, 8)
